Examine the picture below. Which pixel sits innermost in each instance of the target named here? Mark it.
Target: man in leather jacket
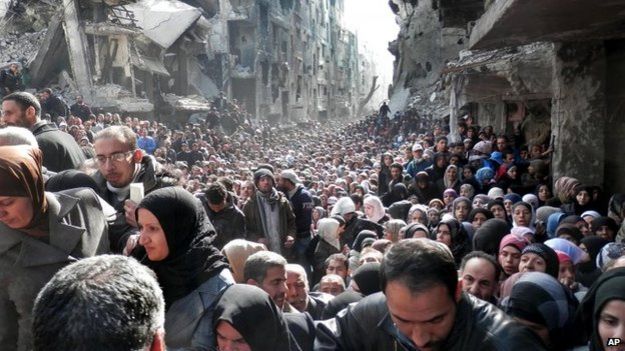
(422, 308)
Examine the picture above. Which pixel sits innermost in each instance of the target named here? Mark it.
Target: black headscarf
(367, 277)
(548, 254)
(488, 237)
(357, 246)
(192, 258)
(460, 244)
(254, 315)
(609, 286)
(588, 272)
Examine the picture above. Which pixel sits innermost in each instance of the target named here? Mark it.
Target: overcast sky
(374, 22)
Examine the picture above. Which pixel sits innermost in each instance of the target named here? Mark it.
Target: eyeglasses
(117, 157)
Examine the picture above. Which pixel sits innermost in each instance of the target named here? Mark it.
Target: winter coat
(190, 318)
(60, 150)
(153, 177)
(302, 204)
(478, 325)
(254, 225)
(77, 229)
(229, 223)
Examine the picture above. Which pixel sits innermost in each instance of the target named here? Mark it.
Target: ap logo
(614, 342)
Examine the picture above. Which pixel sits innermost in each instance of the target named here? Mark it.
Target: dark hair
(397, 165)
(337, 257)
(356, 198)
(419, 264)
(107, 302)
(483, 255)
(25, 100)
(216, 193)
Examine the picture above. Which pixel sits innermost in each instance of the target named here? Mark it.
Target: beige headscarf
(327, 229)
(237, 251)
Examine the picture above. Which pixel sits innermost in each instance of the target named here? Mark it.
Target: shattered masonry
(282, 59)
(556, 69)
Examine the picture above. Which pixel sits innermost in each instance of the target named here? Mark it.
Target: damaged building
(285, 60)
(552, 70)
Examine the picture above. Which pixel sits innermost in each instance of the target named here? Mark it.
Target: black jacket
(229, 223)
(367, 326)
(355, 226)
(153, 177)
(60, 150)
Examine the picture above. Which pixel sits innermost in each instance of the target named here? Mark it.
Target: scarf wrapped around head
(243, 306)
(20, 176)
(192, 258)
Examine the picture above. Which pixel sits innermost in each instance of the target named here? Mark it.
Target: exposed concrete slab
(519, 22)
(164, 21)
(49, 52)
(77, 49)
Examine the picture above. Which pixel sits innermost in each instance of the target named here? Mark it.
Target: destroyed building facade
(283, 60)
(551, 69)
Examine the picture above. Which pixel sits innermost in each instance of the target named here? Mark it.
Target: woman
(602, 311)
(245, 318)
(329, 244)
(460, 209)
(543, 192)
(539, 258)
(40, 233)
(449, 196)
(488, 236)
(392, 229)
(509, 257)
(317, 213)
(418, 214)
(522, 215)
(451, 179)
(374, 210)
(452, 234)
(497, 208)
(467, 190)
(588, 272)
(176, 243)
(478, 216)
(237, 251)
(541, 303)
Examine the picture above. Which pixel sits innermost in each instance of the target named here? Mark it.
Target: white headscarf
(327, 229)
(378, 208)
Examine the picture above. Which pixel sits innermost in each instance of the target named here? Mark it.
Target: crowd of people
(230, 234)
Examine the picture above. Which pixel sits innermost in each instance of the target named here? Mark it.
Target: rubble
(20, 47)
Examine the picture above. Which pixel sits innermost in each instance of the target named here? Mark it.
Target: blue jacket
(147, 143)
(415, 167)
(303, 205)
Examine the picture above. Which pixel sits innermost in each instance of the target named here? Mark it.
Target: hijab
(378, 208)
(254, 315)
(546, 253)
(540, 298)
(367, 277)
(593, 246)
(237, 251)
(328, 231)
(489, 235)
(192, 258)
(21, 176)
(609, 286)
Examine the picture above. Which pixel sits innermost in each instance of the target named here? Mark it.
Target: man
(107, 302)
(479, 274)
(11, 80)
(269, 218)
(299, 295)
(146, 142)
(421, 308)
(120, 163)
(337, 264)
(60, 150)
(396, 175)
(227, 219)
(52, 104)
(302, 205)
(80, 109)
(346, 208)
(332, 284)
(267, 270)
(418, 163)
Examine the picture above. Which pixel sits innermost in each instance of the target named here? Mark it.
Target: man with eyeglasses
(121, 163)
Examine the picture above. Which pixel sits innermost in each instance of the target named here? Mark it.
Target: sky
(374, 23)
